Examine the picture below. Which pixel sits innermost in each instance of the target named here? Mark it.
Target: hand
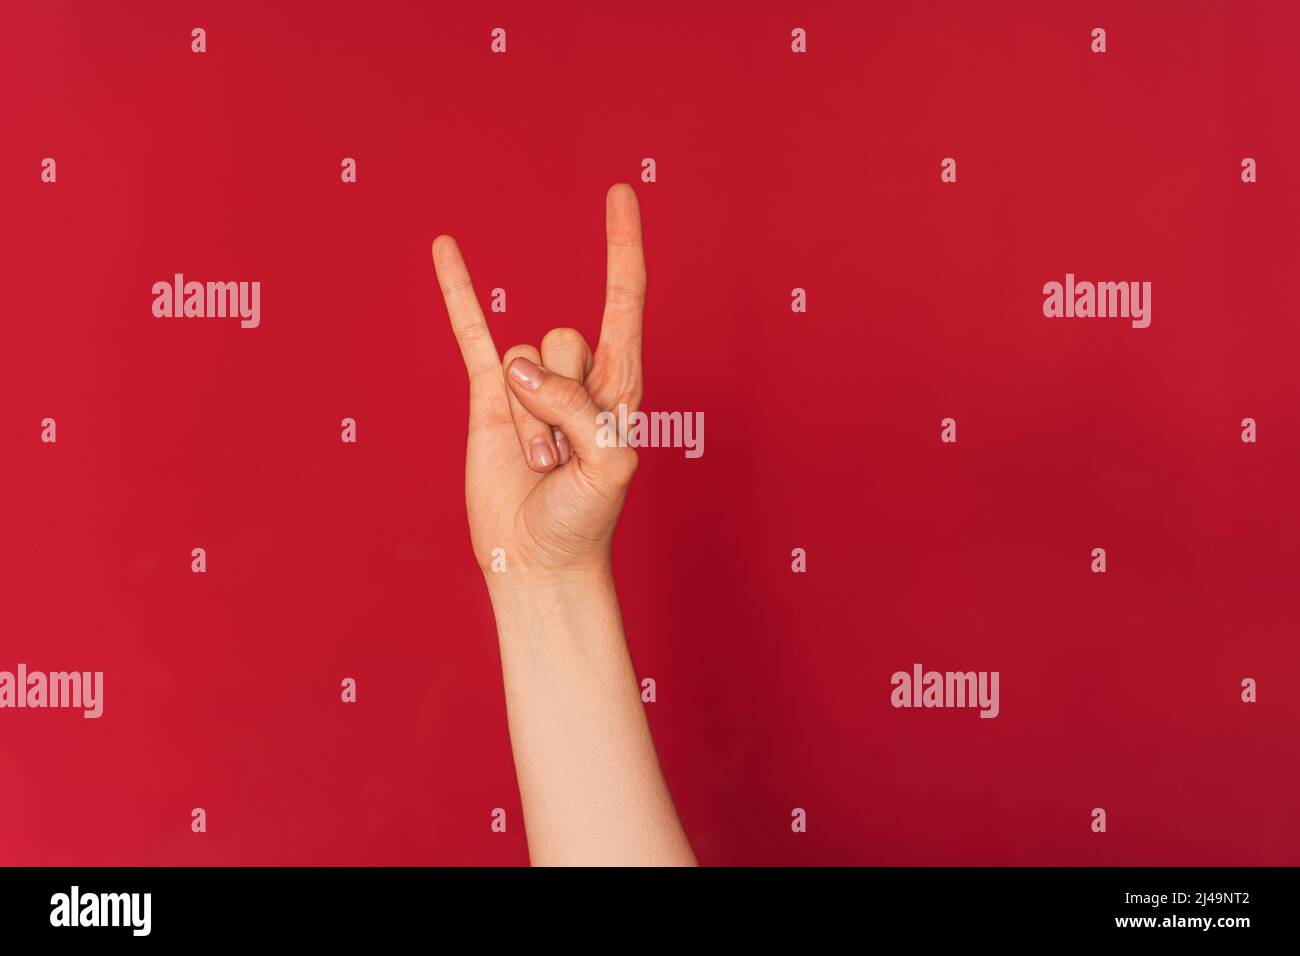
(537, 482)
(540, 485)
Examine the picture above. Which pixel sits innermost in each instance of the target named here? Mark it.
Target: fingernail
(562, 443)
(526, 373)
(540, 452)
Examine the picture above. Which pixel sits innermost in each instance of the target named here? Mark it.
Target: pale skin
(540, 487)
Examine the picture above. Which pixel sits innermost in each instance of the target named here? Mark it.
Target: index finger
(620, 328)
(467, 320)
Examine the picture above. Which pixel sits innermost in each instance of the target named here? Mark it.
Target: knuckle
(624, 464)
(563, 339)
(518, 351)
(570, 396)
(625, 295)
(473, 332)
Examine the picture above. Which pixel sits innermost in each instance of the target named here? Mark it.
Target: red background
(820, 171)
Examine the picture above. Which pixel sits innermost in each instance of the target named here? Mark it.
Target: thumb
(564, 403)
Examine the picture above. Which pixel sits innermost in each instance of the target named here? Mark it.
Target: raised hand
(540, 486)
(537, 482)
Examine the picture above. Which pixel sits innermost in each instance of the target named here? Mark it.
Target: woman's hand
(542, 488)
(537, 483)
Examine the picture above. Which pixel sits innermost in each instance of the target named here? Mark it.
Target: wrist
(563, 614)
(523, 585)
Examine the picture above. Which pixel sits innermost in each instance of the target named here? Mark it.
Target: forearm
(592, 789)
